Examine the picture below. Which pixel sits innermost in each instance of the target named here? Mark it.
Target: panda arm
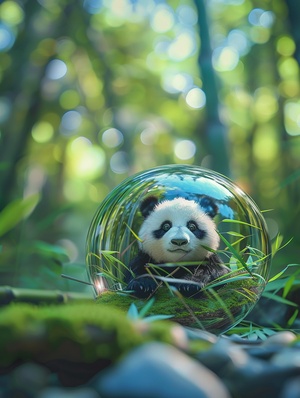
(139, 282)
(137, 266)
(216, 267)
(211, 269)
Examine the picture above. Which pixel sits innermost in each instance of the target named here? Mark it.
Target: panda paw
(142, 287)
(190, 289)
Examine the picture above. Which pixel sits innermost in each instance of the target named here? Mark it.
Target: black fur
(148, 204)
(208, 205)
(143, 284)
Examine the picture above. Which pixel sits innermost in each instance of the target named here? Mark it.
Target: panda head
(178, 229)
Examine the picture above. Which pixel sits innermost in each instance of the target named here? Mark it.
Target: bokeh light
(292, 117)
(177, 82)
(183, 46)
(266, 104)
(56, 69)
(11, 13)
(85, 160)
(7, 37)
(265, 144)
(185, 149)
(69, 99)
(70, 122)
(196, 98)
(225, 58)
(42, 132)
(119, 162)
(187, 15)
(112, 138)
(260, 17)
(162, 18)
(285, 46)
(92, 6)
(148, 134)
(238, 40)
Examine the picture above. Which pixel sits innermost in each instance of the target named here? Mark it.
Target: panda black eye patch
(193, 227)
(165, 226)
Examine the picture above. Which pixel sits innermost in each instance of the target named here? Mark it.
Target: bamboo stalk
(215, 132)
(16, 295)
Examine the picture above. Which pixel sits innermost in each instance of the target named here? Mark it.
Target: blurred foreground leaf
(16, 211)
(51, 251)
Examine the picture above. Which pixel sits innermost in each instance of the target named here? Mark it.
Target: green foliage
(16, 211)
(251, 331)
(283, 283)
(54, 252)
(134, 314)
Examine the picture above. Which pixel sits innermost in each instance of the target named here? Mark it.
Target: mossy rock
(74, 340)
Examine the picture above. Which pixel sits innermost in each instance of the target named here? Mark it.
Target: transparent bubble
(221, 300)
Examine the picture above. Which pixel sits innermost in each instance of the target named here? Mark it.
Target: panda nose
(179, 241)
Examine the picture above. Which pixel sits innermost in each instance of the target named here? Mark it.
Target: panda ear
(209, 206)
(148, 205)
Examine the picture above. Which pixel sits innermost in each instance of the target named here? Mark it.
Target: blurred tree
(215, 132)
(294, 15)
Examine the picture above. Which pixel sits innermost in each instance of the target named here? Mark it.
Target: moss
(216, 311)
(78, 332)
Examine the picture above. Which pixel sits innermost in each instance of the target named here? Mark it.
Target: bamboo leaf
(235, 253)
(279, 299)
(146, 307)
(109, 256)
(226, 281)
(288, 285)
(16, 211)
(268, 332)
(51, 251)
(228, 220)
(261, 334)
(237, 234)
(276, 246)
(157, 318)
(290, 179)
(278, 275)
(293, 318)
(133, 312)
(133, 233)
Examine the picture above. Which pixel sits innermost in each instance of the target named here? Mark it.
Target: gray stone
(291, 389)
(79, 392)
(283, 338)
(246, 376)
(287, 358)
(223, 357)
(157, 370)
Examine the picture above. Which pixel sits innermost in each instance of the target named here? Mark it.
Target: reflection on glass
(244, 248)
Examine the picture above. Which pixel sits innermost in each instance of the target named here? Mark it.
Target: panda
(174, 231)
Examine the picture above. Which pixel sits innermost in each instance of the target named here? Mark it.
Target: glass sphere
(244, 248)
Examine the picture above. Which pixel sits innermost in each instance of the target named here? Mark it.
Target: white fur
(179, 211)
